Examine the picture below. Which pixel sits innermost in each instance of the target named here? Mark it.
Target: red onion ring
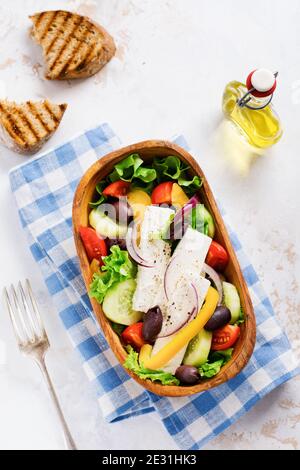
(168, 331)
(178, 227)
(134, 250)
(216, 280)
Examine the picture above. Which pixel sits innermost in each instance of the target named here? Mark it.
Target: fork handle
(70, 444)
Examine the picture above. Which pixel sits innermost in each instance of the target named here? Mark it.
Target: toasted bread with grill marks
(25, 127)
(73, 45)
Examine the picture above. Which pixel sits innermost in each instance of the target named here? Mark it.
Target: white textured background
(174, 58)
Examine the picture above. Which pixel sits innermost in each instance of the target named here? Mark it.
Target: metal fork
(33, 340)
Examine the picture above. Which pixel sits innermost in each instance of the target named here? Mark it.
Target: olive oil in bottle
(248, 107)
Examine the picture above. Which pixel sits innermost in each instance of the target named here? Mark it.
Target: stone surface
(158, 85)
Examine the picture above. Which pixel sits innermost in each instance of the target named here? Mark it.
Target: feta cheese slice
(150, 287)
(182, 307)
(184, 272)
(191, 252)
(187, 263)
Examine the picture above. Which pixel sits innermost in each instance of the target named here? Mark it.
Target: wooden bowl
(85, 193)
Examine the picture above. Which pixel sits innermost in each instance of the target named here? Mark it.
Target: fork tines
(24, 314)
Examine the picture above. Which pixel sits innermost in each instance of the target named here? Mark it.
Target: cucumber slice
(198, 349)
(210, 223)
(94, 217)
(203, 221)
(117, 304)
(232, 301)
(105, 226)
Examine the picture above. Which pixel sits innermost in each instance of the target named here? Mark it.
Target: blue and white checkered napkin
(44, 189)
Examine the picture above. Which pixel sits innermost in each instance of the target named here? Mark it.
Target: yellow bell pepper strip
(145, 353)
(184, 336)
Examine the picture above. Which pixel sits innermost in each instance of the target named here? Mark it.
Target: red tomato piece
(94, 245)
(117, 189)
(217, 257)
(225, 337)
(133, 335)
(162, 194)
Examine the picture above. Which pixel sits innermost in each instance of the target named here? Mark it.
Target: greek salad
(158, 273)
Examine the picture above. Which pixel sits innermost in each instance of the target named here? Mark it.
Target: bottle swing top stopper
(260, 83)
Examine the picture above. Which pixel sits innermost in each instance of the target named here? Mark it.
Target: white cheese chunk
(187, 263)
(150, 287)
(191, 252)
(182, 307)
(184, 271)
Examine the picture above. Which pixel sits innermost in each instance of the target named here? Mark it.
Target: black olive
(187, 375)
(152, 324)
(220, 318)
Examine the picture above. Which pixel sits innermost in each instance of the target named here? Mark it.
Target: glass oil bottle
(252, 121)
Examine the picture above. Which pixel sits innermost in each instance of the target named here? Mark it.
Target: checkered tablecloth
(43, 190)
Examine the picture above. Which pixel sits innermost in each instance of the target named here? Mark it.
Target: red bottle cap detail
(263, 81)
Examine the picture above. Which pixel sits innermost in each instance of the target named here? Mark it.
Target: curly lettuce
(172, 167)
(132, 363)
(134, 170)
(117, 267)
(216, 360)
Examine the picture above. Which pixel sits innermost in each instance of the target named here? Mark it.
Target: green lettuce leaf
(216, 360)
(172, 167)
(132, 363)
(99, 188)
(209, 370)
(132, 168)
(169, 167)
(119, 263)
(117, 267)
(190, 184)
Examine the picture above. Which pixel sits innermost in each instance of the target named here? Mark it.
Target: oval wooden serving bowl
(85, 193)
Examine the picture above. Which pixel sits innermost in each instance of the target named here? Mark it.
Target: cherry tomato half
(225, 337)
(94, 245)
(117, 189)
(133, 335)
(217, 257)
(162, 194)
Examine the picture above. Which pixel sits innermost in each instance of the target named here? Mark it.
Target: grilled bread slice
(25, 127)
(73, 45)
